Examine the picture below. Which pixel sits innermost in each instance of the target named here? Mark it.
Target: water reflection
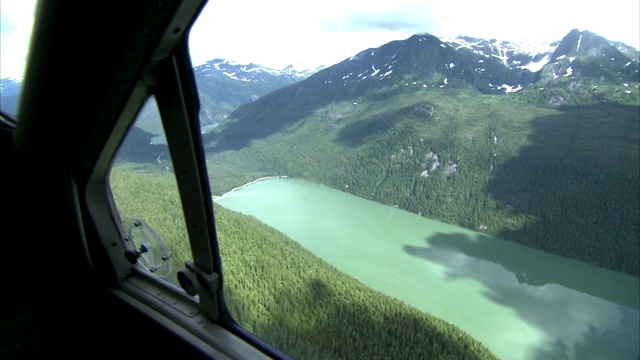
(577, 325)
(533, 267)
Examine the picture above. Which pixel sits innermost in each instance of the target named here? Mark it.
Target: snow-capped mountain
(582, 68)
(490, 66)
(224, 85)
(591, 59)
(251, 72)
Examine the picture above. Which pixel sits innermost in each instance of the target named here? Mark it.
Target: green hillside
(558, 177)
(284, 294)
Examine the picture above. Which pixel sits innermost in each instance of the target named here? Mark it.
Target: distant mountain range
(223, 85)
(537, 145)
(491, 66)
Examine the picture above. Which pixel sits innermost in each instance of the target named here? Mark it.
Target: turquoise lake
(520, 302)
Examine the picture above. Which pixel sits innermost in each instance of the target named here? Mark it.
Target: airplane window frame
(165, 72)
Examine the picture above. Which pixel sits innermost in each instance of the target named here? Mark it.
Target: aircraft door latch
(194, 280)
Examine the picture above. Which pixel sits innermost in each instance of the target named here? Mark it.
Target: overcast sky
(308, 34)
(276, 34)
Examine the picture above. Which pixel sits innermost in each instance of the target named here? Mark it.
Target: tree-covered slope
(284, 294)
(296, 301)
(563, 179)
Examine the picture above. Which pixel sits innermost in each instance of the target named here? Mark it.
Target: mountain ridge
(425, 62)
(482, 57)
(489, 66)
(223, 85)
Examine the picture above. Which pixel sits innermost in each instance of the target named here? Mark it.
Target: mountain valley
(466, 133)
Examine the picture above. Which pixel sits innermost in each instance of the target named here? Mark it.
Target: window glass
(429, 182)
(16, 22)
(146, 196)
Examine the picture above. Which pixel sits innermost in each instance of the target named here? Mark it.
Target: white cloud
(283, 32)
(273, 35)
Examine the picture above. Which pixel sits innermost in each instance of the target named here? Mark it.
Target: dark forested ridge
(281, 292)
(579, 179)
(552, 163)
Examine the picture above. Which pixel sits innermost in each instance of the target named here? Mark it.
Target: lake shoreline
(245, 185)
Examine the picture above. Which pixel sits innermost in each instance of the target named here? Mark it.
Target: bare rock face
(556, 100)
(430, 163)
(451, 168)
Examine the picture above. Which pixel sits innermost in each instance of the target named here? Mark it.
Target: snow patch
(386, 74)
(536, 66)
(502, 56)
(375, 71)
(579, 41)
(234, 77)
(509, 88)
